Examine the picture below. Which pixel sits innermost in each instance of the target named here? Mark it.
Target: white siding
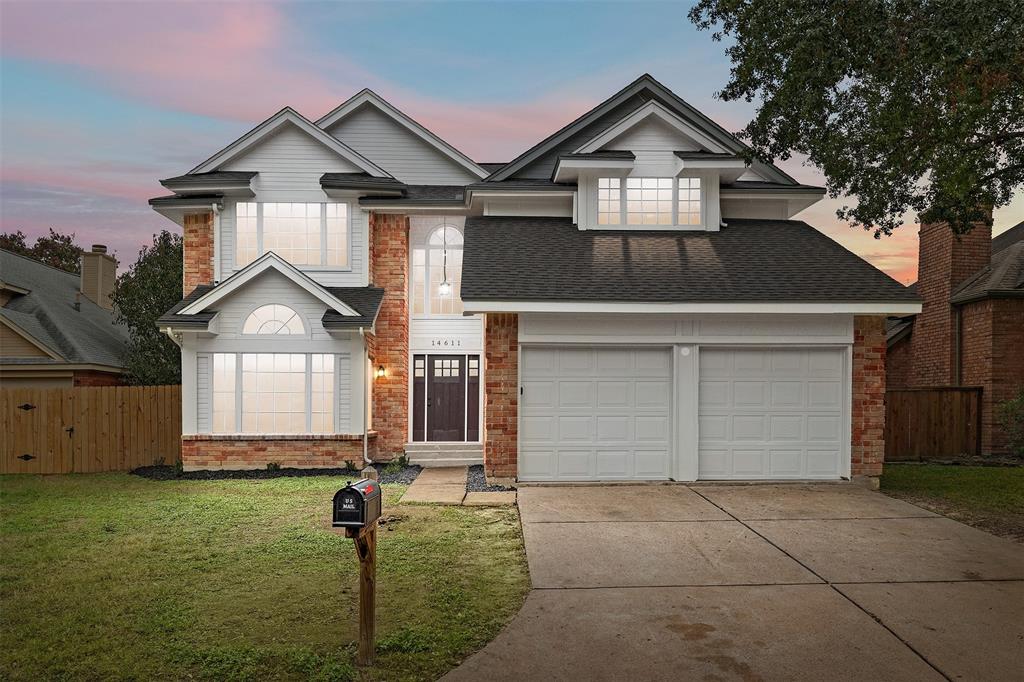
(203, 391)
(653, 134)
(343, 392)
(397, 150)
(270, 287)
(777, 209)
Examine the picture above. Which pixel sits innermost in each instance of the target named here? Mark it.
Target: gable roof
(625, 102)
(1010, 237)
(367, 96)
(268, 261)
(48, 316)
(272, 125)
(774, 261)
(1003, 277)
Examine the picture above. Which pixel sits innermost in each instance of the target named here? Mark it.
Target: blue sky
(97, 106)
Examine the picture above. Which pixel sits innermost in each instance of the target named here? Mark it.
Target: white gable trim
(655, 109)
(267, 261)
(368, 96)
(273, 124)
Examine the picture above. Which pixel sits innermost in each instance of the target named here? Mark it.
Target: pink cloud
(88, 178)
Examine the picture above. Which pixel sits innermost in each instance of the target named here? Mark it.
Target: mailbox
(357, 505)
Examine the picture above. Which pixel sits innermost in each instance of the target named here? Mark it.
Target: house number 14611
(445, 343)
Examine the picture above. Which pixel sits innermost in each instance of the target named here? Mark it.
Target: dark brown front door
(446, 397)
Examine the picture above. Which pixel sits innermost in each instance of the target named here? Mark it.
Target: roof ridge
(42, 264)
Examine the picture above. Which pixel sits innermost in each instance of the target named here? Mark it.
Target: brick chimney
(944, 261)
(98, 274)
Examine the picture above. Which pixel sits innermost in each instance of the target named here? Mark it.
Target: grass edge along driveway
(110, 576)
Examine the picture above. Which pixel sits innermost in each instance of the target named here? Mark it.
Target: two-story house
(627, 299)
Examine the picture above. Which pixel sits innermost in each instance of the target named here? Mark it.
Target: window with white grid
(247, 246)
(321, 393)
(273, 393)
(223, 393)
(649, 201)
(336, 229)
(292, 231)
(300, 233)
(609, 201)
(689, 201)
(273, 318)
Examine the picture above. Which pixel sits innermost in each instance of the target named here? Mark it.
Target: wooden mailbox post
(357, 508)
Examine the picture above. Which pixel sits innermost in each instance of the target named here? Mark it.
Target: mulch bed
(476, 482)
(405, 475)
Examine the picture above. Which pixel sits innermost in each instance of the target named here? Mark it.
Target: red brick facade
(945, 261)
(389, 269)
(219, 451)
(868, 419)
(899, 363)
(501, 394)
(198, 242)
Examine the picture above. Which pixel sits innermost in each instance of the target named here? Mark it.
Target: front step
(444, 454)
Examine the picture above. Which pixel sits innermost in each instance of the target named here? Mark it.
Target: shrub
(1010, 414)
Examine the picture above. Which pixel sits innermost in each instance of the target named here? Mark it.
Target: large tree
(143, 293)
(56, 249)
(903, 104)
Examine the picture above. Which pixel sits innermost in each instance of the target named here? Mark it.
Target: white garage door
(595, 414)
(771, 413)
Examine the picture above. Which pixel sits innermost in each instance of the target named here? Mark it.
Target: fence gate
(932, 423)
(106, 428)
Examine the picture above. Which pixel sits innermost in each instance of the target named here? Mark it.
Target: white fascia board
(270, 126)
(695, 164)
(567, 170)
(368, 96)
(653, 108)
(31, 339)
(864, 308)
(267, 261)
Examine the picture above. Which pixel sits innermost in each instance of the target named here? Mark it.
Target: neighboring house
(57, 329)
(971, 327)
(627, 299)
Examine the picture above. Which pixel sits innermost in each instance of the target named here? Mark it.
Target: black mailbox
(357, 505)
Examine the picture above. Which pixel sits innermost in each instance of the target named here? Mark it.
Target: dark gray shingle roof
(359, 181)
(210, 178)
(421, 194)
(546, 259)
(47, 313)
(1002, 278)
(1012, 236)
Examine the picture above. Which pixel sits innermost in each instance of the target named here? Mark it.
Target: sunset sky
(98, 101)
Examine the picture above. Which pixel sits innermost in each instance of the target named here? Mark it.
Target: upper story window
(301, 233)
(273, 319)
(648, 201)
(437, 273)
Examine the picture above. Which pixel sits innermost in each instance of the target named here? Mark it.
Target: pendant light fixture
(444, 289)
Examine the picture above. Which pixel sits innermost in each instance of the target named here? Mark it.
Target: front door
(445, 389)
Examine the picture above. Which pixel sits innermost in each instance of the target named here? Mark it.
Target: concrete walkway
(756, 583)
(447, 485)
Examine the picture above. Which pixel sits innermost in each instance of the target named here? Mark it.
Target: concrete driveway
(756, 582)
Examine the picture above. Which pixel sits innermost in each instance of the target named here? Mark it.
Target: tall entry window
(300, 233)
(437, 273)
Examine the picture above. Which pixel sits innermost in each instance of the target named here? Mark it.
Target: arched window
(273, 319)
(437, 273)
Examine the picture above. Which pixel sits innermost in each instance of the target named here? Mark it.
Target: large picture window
(649, 201)
(273, 393)
(301, 233)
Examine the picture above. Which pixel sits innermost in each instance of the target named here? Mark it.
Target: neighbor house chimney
(944, 261)
(98, 273)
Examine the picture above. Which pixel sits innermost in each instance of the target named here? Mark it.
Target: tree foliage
(903, 104)
(56, 250)
(143, 293)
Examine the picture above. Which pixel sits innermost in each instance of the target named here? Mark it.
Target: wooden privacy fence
(108, 428)
(932, 423)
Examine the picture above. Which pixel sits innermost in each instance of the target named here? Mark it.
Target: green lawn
(110, 576)
(991, 498)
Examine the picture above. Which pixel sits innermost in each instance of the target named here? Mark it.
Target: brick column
(501, 395)
(197, 236)
(868, 418)
(389, 269)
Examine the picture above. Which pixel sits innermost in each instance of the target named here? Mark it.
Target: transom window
(649, 201)
(437, 274)
(273, 319)
(301, 233)
(262, 393)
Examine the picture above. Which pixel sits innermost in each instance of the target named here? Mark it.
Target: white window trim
(674, 227)
(308, 363)
(427, 247)
(307, 333)
(321, 267)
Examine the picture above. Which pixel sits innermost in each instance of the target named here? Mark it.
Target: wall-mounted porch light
(380, 372)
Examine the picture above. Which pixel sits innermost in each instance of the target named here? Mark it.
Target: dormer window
(649, 201)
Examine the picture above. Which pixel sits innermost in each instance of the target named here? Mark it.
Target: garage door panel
(608, 416)
(771, 413)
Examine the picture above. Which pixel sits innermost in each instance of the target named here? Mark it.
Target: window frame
(307, 331)
(426, 247)
(322, 266)
(307, 391)
(624, 223)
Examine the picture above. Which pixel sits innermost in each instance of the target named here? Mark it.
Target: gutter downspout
(366, 399)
